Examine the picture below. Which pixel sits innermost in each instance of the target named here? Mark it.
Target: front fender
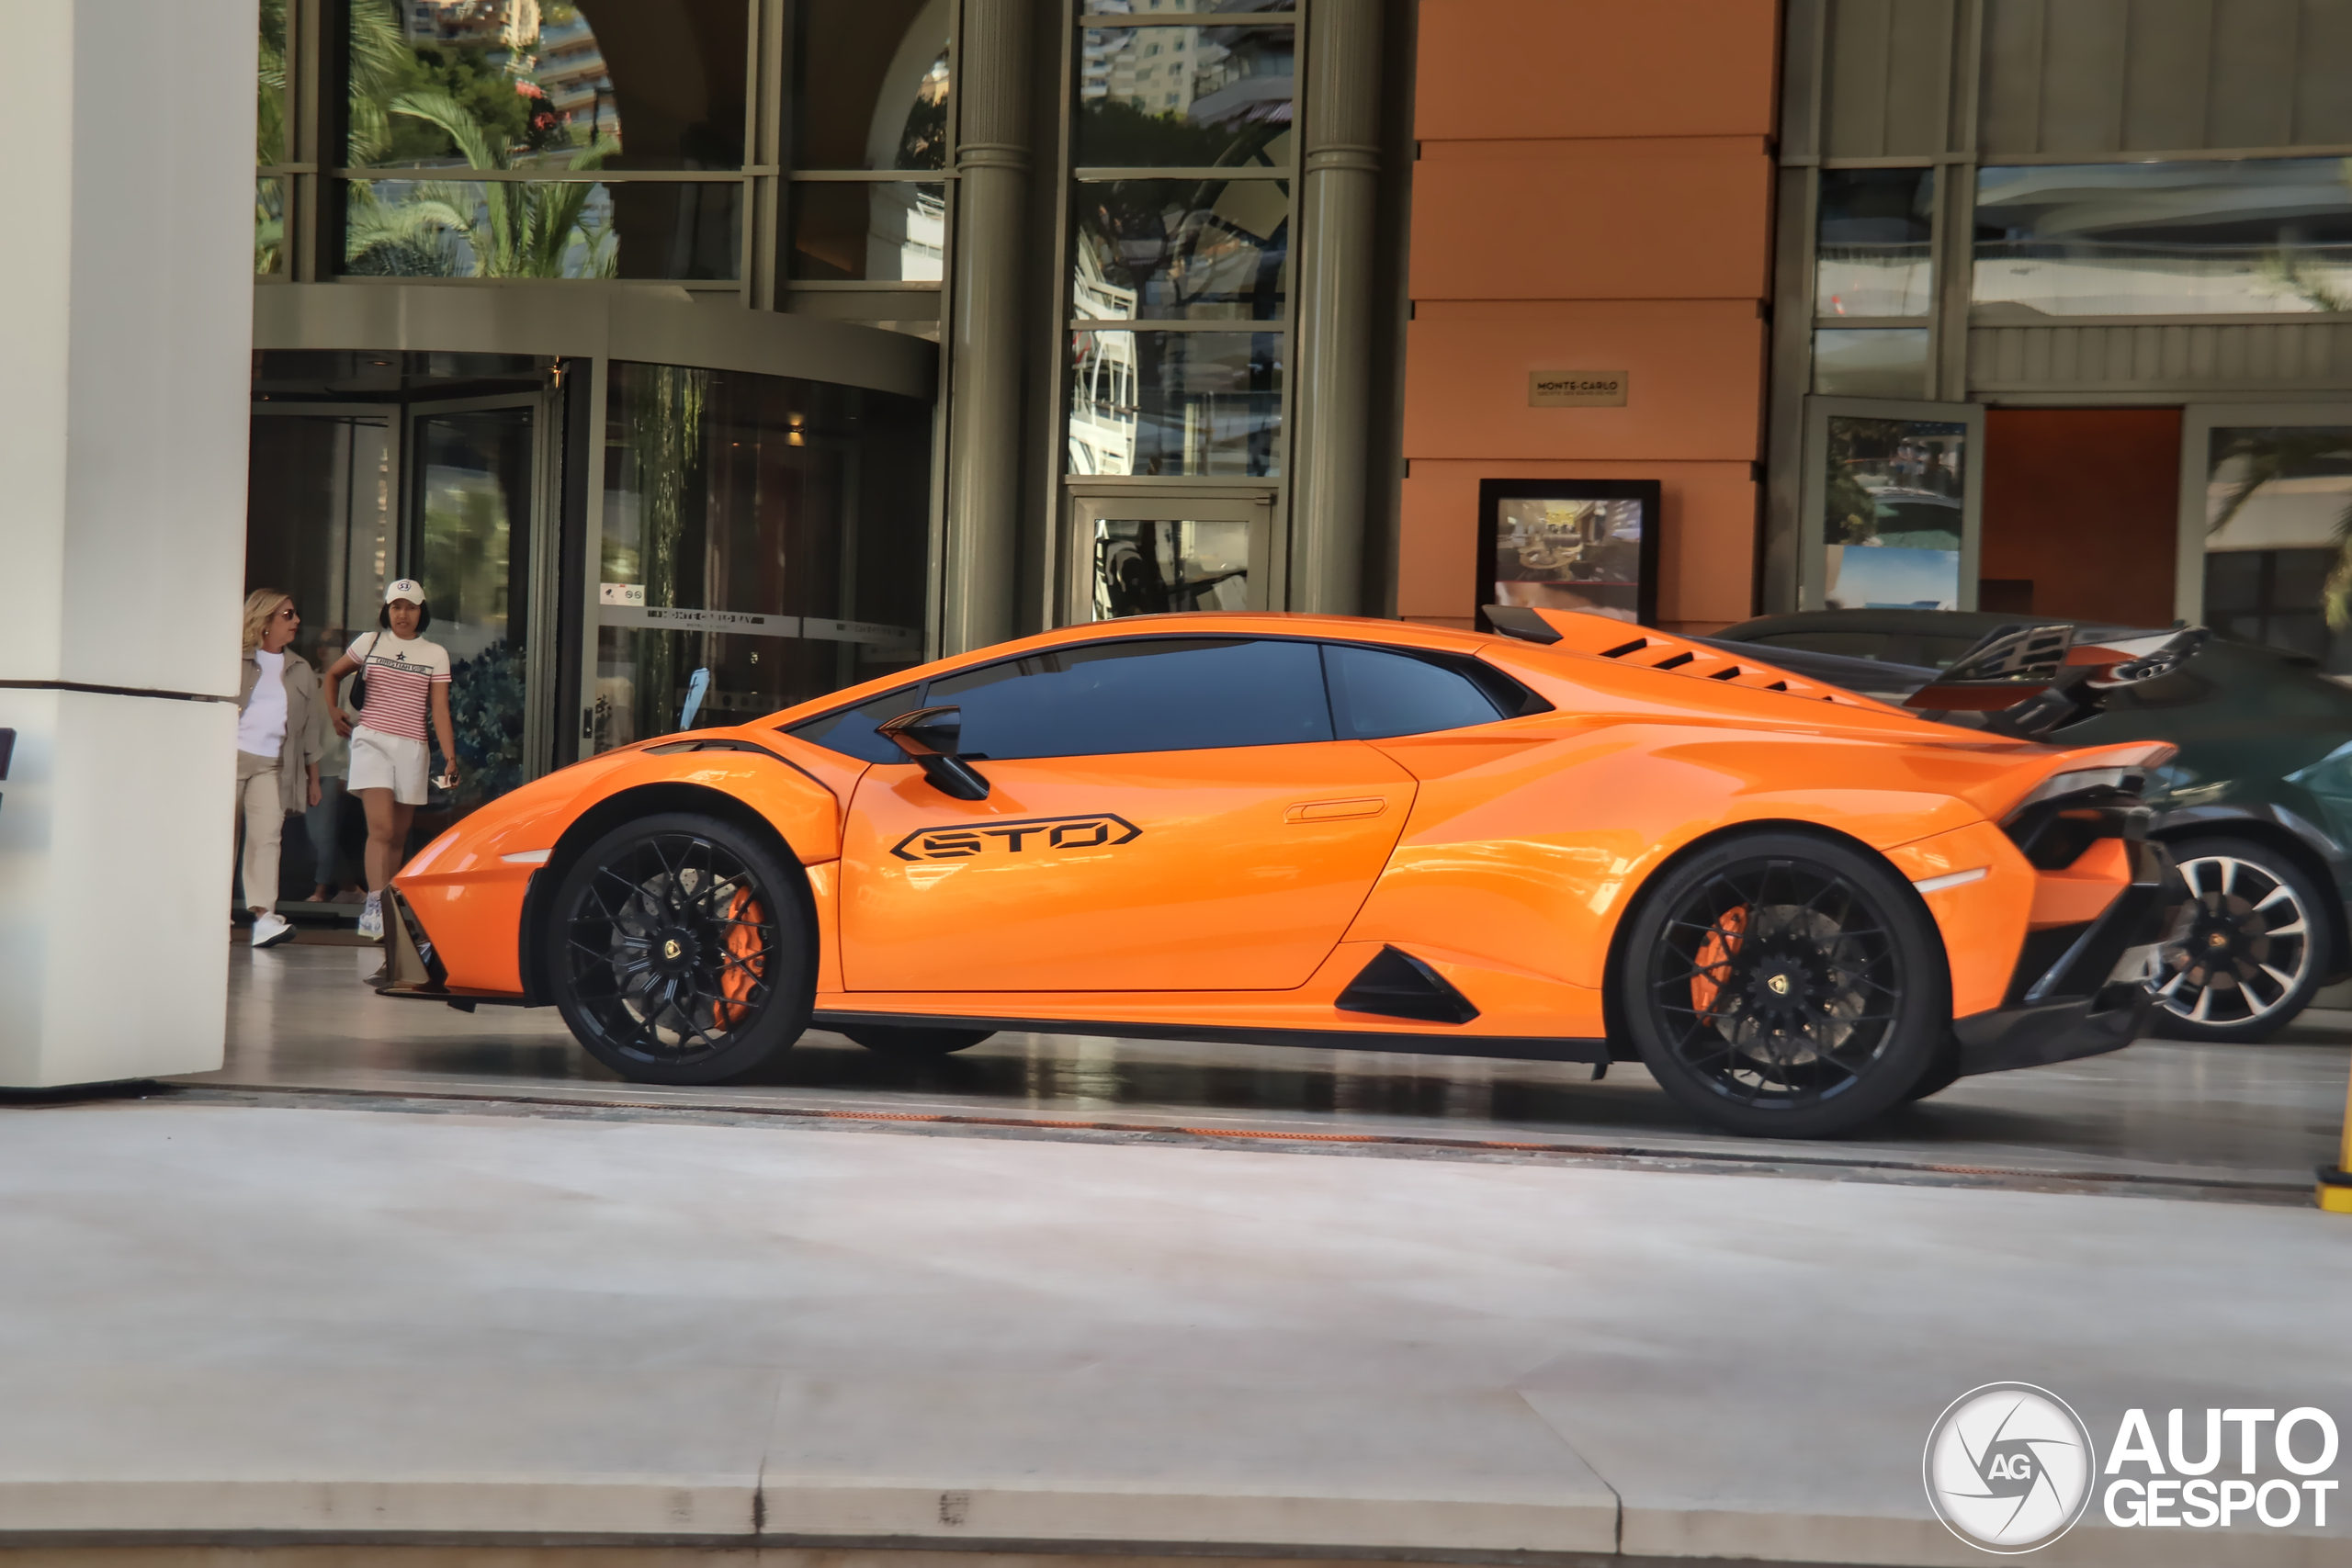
(469, 886)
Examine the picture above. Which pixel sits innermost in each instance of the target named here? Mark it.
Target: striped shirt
(401, 678)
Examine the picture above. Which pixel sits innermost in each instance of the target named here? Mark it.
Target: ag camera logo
(2009, 1467)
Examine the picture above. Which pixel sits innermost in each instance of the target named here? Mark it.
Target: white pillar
(126, 311)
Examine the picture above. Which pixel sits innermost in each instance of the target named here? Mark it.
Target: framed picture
(1569, 545)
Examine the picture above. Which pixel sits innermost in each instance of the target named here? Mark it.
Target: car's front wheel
(1783, 986)
(2252, 957)
(678, 950)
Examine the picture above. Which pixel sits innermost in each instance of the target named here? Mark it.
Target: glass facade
(1874, 251)
(1176, 405)
(1181, 249)
(1870, 362)
(516, 229)
(1893, 491)
(881, 232)
(872, 84)
(1154, 567)
(555, 108)
(2279, 538)
(764, 532)
(1178, 98)
(1181, 143)
(2257, 235)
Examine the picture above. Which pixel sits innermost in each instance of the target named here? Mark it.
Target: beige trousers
(264, 819)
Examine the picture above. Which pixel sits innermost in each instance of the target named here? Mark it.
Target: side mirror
(930, 738)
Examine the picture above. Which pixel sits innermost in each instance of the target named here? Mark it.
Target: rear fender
(1620, 1038)
(1527, 849)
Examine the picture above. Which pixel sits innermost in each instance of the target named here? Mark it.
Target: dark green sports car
(2257, 806)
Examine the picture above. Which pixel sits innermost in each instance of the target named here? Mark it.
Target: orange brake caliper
(744, 945)
(1714, 961)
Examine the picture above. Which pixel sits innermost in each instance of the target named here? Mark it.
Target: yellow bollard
(2333, 1189)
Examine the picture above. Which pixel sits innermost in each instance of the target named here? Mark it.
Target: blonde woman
(280, 740)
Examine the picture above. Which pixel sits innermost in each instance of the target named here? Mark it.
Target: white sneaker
(271, 929)
(371, 919)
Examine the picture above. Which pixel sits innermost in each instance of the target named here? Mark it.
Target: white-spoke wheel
(2252, 952)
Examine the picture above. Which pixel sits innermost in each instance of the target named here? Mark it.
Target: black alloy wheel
(913, 1040)
(679, 951)
(2252, 954)
(1783, 986)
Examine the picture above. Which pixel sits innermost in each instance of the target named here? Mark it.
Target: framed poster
(1569, 545)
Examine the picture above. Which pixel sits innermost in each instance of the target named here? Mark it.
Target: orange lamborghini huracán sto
(1586, 842)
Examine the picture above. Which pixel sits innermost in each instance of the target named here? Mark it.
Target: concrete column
(984, 431)
(125, 331)
(1339, 191)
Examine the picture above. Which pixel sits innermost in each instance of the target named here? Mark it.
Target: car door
(1164, 814)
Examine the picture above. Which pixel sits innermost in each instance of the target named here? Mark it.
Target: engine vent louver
(1603, 637)
(1397, 985)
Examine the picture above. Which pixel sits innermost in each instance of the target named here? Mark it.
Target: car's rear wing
(1604, 636)
(2030, 681)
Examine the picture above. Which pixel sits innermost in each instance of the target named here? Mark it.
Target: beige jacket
(306, 722)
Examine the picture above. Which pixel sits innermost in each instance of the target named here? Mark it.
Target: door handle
(1335, 810)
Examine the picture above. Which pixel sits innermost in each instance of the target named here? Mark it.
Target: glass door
(2265, 526)
(479, 497)
(1143, 555)
(1890, 506)
(323, 496)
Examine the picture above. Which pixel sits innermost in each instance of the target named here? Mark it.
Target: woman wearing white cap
(407, 679)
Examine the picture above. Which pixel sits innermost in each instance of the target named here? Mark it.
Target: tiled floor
(2245, 1121)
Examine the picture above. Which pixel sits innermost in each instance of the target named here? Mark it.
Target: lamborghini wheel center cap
(674, 951)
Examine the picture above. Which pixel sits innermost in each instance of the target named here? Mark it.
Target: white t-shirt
(260, 729)
(401, 678)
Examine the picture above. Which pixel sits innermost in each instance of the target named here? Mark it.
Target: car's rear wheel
(1783, 986)
(678, 950)
(909, 1040)
(2254, 948)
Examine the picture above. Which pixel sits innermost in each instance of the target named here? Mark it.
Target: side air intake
(1397, 985)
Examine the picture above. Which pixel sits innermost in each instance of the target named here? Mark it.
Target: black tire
(2259, 934)
(678, 950)
(1783, 986)
(908, 1039)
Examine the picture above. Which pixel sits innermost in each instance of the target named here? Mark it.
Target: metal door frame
(1812, 560)
(2197, 423)
(541, 530)
(1087, 508)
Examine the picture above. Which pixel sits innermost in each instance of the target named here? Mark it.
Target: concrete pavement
(404, 1324)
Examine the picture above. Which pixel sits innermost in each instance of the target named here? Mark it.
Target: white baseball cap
(406, 588)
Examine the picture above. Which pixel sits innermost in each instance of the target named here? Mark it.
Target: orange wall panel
(1704, 555)
(1576, 68)
(1696, 369)
(1583, 220)
(1592, 190)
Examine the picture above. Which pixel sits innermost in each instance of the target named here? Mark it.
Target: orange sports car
(1585, 841)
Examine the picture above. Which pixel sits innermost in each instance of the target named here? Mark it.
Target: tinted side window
(1376, 694)
(1141, 694)
(850, 731)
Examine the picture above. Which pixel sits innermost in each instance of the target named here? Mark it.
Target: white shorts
(388, 761)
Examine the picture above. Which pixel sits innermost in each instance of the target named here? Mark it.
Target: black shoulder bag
(359, 680)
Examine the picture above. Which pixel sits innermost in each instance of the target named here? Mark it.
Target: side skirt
(1530, 1048)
